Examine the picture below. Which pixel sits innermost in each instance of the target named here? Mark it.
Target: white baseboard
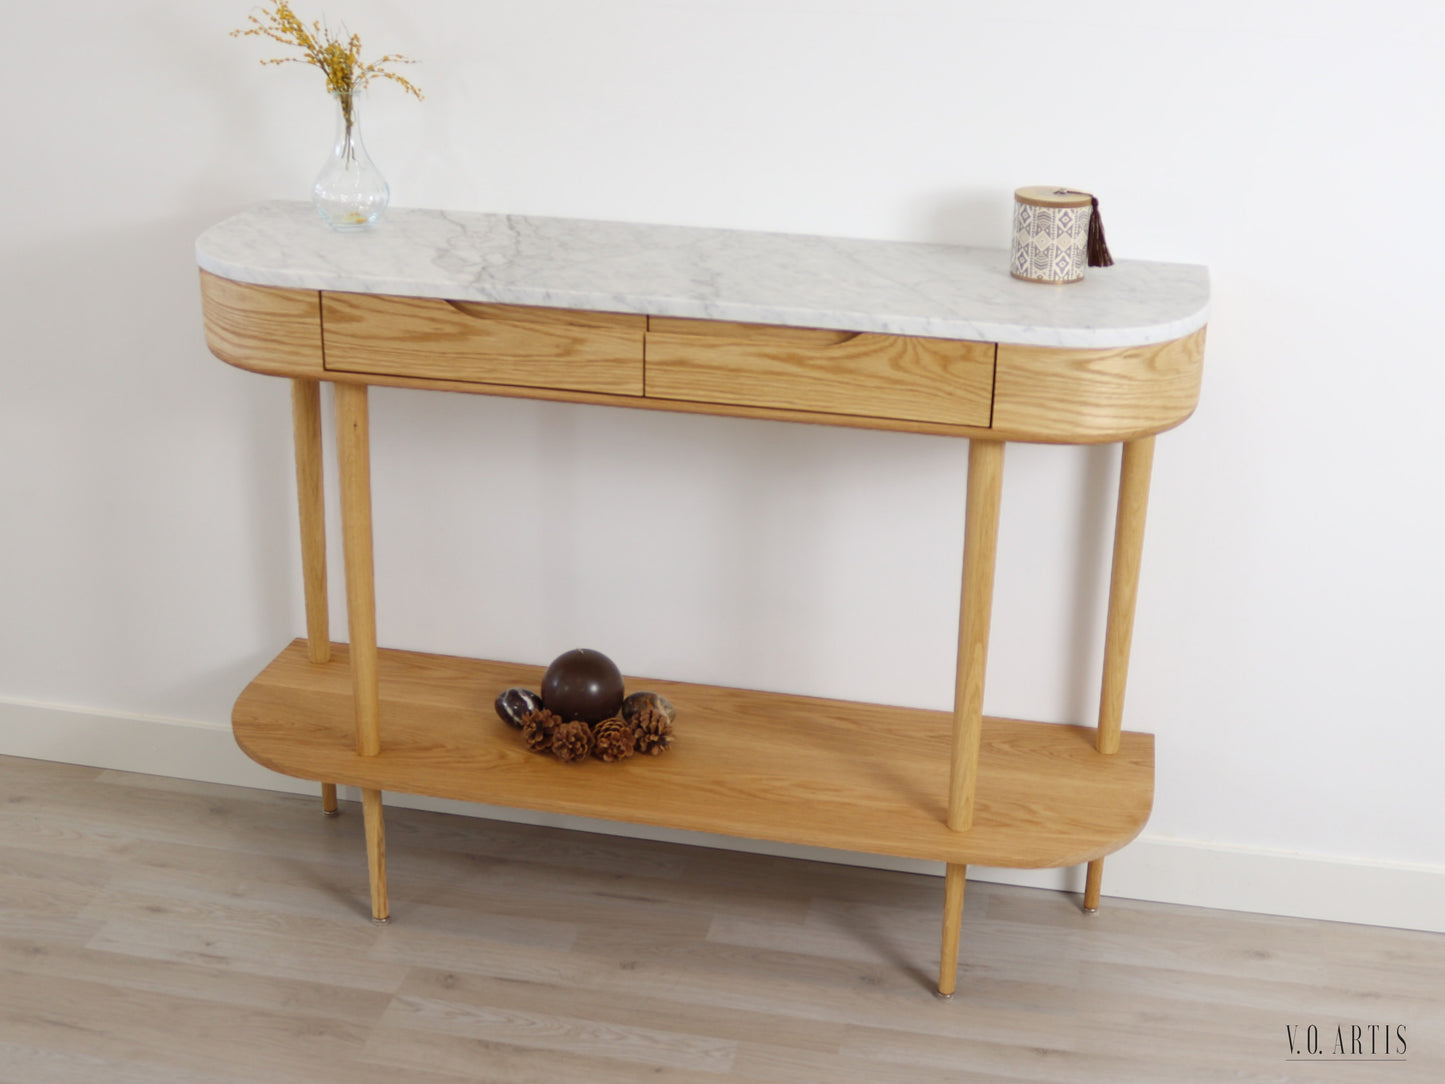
(1230, 877)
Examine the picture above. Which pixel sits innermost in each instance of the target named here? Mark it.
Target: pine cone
(538, 729)
(652, 730)
(614, 738)
(572, 741)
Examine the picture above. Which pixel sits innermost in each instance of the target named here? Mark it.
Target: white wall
(1289, 640)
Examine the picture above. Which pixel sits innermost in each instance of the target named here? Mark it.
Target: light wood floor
(154, 930)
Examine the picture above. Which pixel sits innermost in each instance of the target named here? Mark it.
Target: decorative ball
(583, 684)
(515, 703)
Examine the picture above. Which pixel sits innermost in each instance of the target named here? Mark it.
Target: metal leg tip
(942, 996)
(1091, 910)
(331, 812)
(381, 921)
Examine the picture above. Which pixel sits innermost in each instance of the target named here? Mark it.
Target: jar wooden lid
(1043, 195)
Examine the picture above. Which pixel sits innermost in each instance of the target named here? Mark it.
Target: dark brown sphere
(583, 684)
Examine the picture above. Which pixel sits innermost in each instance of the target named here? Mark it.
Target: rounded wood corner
(1069, 395)
(273, 330)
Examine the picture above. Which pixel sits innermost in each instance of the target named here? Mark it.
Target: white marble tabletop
(902, 288)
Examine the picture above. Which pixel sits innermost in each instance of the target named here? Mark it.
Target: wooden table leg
(1134, 471)
(375, 854)
(311, 505)
(980, 546)
(1093, 884)
(354, 459)
(954, 879)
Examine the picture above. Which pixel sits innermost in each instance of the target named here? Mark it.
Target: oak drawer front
(483, 343)
(831, 372)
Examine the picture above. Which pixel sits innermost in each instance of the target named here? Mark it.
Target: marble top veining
(893, 287)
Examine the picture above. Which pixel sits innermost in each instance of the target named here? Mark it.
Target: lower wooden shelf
(824, 773)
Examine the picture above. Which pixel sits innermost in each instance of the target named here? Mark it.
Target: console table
(878, 335)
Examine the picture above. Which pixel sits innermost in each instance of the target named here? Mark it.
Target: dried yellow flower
(345, 71)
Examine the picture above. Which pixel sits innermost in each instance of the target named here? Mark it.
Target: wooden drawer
(481, 343)
(830, 372)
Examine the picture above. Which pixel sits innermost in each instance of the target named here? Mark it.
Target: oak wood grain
(1040, 394)
(955, 879)
(311, 512)
(755, 765)
(672, 406)
(1093, 885)
(883, 376)
(975, 612)
(562, 349)
(353, 444)
(1068, 395)
(266, 329)
(1136, 466)
(376, 853)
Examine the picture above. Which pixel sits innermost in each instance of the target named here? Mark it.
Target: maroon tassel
(1098, 248)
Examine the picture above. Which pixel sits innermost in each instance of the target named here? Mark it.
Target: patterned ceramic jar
(1051, 234)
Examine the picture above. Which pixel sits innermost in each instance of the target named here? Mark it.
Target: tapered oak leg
(354, 460)
(376, 853)
(1134, 472)
(954, 880)
(311, 506)
(980, 546)
(1092, 886)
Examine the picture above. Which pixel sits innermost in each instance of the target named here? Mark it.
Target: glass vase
(350, 191)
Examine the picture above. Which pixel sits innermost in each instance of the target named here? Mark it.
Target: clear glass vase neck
(350, 192)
